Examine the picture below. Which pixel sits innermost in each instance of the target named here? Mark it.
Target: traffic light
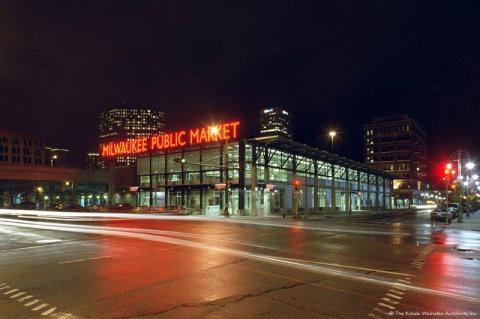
(297, 184)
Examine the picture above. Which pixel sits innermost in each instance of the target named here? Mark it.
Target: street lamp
(470, 165)
(332, 135)
(54, 157)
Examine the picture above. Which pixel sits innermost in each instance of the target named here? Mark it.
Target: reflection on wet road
(108, 266)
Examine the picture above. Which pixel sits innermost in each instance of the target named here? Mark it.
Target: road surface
(114, 266)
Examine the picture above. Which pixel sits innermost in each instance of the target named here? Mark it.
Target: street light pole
(225, 212)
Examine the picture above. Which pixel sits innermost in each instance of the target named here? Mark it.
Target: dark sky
(332, 64)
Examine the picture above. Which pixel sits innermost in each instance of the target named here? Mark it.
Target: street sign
(220, 186)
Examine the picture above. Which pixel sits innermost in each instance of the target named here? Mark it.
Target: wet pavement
(109, 266)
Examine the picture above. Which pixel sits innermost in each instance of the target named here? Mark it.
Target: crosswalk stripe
(396, 291)
(24, 298)
(31, 303)
(390, 301)
(381, 311)
(17, 295)
(385, 305)
(43, 305)
(6, 287)
(49, 311)
(374, 316)
(394, 296)
(10, 291)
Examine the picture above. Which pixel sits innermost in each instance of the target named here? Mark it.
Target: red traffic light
(297, 183)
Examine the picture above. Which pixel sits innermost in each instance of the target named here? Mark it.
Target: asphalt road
(182, 267)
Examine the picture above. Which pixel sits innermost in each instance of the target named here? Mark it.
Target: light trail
(281, 223)
(112, 231)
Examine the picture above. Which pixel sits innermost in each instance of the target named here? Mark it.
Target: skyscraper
(126, 122)
(398, 145)
(275, 121)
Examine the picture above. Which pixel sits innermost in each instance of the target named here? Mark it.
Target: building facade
(398, 145)
(262, 175)
(128, 123)
(21, 149)
(275, 121)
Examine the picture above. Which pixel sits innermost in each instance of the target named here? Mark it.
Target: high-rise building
(21, 149)
(93, 161)
(129, 122)
(275, 121)
(398, 145)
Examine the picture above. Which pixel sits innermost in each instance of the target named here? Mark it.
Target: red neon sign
(216, 133)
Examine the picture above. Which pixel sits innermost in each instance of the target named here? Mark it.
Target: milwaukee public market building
(206, 170)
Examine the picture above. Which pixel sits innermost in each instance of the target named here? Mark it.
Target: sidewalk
(469, 223)
(357, 215)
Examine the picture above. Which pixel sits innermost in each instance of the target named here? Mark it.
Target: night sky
(334, 64)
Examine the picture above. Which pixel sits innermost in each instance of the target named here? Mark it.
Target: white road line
(390, 301)
(80, 260)
(48, 241)
(396, 291)
(66, 316)
(385, 305)
(24, 298)
(43, 305)
(381, 311)
(394, 296)
(404, 281)
(6, 287)
(3, 284)
(17, 295)
(374, 316)
(49, 311)
(10, 291)
(31, 303)
(71, 261)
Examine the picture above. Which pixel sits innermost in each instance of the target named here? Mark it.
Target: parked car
(76, 208)
(442, 214)
(453, 208)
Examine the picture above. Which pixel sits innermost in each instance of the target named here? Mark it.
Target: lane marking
(396, 291)
(374, 316)
(11, 291)
(80, 260)
(394, 296)
(6, 287)
(404, 281)
(31, 303)
(385, 305)
(48, 241)
(17, 295)
(49, 311)
(43, 305)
